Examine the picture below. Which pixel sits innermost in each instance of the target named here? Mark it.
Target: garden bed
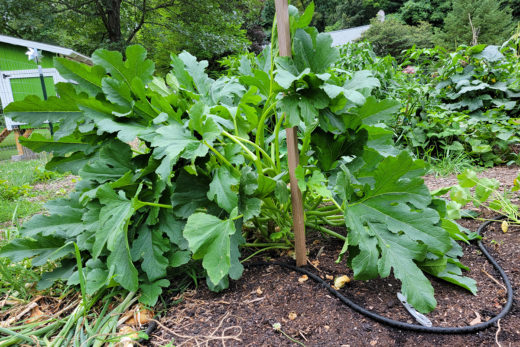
(245, 314)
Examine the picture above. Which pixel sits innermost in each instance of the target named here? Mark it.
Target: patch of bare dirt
(504, 174)
(52, 189)
(244, 314)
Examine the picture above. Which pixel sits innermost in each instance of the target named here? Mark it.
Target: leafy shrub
(473, 104)
(393, 37)
(413, 12)
(211, 159)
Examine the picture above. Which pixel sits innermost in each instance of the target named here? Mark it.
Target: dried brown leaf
(303, 278)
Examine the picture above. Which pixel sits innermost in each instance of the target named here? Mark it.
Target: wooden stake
(19, 147)
(27, 133)
(4, 134)
(284, 43)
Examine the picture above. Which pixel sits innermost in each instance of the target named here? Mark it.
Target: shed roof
(46, 47)
(341, 37)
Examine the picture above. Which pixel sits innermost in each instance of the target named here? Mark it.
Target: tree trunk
(110, 12)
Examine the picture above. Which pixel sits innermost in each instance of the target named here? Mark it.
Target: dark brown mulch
(244, 314)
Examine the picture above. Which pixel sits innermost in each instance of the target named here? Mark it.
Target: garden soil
(244, 315)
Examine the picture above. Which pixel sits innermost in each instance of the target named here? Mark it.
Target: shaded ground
(244, 315)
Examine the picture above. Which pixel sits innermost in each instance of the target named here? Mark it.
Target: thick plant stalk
(284, 43)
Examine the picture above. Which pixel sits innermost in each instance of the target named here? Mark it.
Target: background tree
(432, 11)
(492, 19)
(27, 18)
(392, 36)
(352, 13)
(514, 5)
(218, 32)
(389, 6)
(212, 27)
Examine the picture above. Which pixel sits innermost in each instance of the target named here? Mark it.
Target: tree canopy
(477, 21)
(209, 28)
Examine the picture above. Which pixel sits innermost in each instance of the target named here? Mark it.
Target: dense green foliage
(491, 24)
(413, 12)
(233, 27)
(393, 37)
(460, 103)
(207, 173)
(160, 25)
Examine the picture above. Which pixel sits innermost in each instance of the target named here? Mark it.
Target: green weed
(16, 179)
(20, 172)
(451, 163)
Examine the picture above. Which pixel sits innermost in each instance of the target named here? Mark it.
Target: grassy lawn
(24, 187)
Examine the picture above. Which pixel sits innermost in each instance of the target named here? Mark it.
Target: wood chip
(340, 281)
(477, 320)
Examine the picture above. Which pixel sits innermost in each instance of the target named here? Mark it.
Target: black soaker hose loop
(414, 327)
(150, 329)
(396, 323)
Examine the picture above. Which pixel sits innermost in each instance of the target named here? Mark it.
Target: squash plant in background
(473, 107)
(206, 173)
(463, 102)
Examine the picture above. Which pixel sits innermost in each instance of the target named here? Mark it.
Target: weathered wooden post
(284, 43)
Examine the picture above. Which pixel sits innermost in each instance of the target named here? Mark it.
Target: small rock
(326, 327)
(390, 304)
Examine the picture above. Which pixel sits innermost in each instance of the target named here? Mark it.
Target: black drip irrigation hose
(415, 327)
(150, 329)
(395, 323)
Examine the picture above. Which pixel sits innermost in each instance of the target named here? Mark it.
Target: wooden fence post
(284, 43)
(17, 134)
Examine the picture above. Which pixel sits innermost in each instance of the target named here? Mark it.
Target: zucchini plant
(205, 174)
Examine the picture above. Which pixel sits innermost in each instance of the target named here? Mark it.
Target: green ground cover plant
(484, 192)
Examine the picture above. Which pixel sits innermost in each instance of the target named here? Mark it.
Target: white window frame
(6, 92)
